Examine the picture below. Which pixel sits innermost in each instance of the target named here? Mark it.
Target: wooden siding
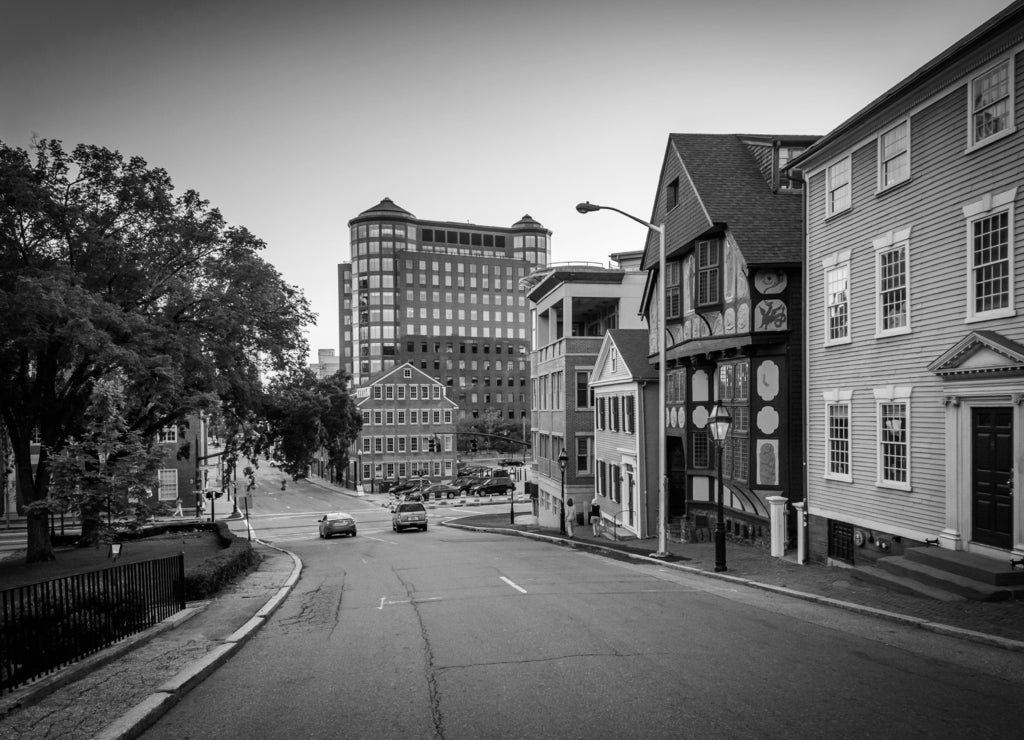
(944, 178)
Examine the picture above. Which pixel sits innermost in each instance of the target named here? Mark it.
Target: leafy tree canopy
(305, 414)
(105, 269)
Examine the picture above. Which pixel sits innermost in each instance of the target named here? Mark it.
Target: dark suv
(494, 487)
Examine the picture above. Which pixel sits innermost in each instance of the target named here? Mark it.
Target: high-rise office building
(445, 297)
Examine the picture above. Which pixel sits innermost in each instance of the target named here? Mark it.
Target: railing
(617, 522)
(46, 626)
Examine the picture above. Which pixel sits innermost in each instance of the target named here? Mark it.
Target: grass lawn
(197, 546)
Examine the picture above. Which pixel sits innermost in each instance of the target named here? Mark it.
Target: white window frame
(167, 484)
(883, 160)
(839, 260)
(885, 245)
(832, 187)
(587, 455)
(990, 206)
(892, 396)
(168, 434)
(838, 399)
(975, 143)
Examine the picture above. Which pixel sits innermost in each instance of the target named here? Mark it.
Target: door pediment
(980, 353)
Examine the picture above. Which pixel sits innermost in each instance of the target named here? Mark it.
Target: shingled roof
(767, 225)
(633, 346)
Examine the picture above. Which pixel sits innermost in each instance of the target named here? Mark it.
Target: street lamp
(718, 426)
(563, 458)
(589, 207)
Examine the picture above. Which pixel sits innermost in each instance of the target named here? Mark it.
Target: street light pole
(563, 458)
(589, 207)
(718, 426)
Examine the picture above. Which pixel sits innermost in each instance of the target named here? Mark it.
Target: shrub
(214, 573)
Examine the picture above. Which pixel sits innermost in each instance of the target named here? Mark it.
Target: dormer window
(792, 180)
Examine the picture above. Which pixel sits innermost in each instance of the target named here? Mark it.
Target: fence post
(180, 580)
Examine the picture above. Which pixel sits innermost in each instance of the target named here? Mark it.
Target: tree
(305, 414)
(109, 469)
(105, 270)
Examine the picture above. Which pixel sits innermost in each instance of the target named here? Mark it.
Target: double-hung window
(838, 461)
(584, 446)
(673, 272)
(709, 259)
(992, 104)
(837, 298)
(892, 283)
(168, 434)
(990, 247)
(584, 394)
(167, 484)
(837, 187)
(894, 155)
(893, 435)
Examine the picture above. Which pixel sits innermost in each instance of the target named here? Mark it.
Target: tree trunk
(39, 548)
(91, 526)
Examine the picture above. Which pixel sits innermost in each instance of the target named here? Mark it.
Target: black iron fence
(46, 626)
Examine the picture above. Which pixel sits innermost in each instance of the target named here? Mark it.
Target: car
(494, 486)
(440, 490)
(409, 515)
(337, 522)
(509, 463)
(464, 484)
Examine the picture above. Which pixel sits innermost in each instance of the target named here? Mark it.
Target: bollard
(778, 524)
(801, 531)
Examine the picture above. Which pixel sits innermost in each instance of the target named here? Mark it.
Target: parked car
(408, 515)
(494, 487)
(464, 484)
(337, 522)
(510, 463)
(440, 490)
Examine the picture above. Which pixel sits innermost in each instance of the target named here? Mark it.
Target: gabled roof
(632, 346)
(981, 352)
(729, 184)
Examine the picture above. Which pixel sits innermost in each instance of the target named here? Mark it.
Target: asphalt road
(456, 634)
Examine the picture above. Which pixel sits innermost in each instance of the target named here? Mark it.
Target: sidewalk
(994, 623)
(121, 691)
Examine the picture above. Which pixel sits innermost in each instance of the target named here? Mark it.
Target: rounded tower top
(528, 222)
(385, 209)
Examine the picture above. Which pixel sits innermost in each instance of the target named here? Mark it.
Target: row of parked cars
(493, 483)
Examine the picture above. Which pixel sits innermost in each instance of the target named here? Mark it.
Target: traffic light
(430, 444)
(472, 445)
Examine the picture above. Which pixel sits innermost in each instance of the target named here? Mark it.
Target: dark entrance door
(992, 476)
(676, 474)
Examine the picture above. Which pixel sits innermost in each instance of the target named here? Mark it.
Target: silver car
(337, 522)
(409, 515)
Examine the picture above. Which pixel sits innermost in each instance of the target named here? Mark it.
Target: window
(990, 256)
(583, 446)
(894, 155)
(169, 434)
(672, 195)
(837, 298)
(893, 435)
(599, 420)
(708, 260)
(629, 416)
(991, 104)
(167, 484)
(734, 394)
(837, 195)
(892, 277)
(837, 433)
(672, 289)
(584, 395)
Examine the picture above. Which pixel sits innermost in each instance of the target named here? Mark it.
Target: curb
(943, 629)
(143, 715)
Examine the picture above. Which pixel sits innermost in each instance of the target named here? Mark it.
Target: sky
(293, 116)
